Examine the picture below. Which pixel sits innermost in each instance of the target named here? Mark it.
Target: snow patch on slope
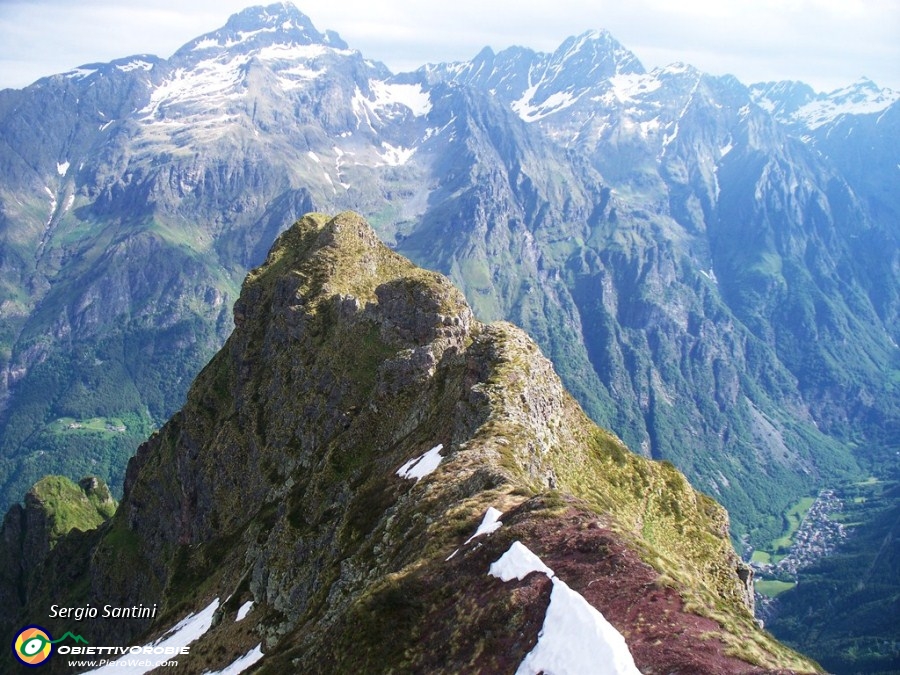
(242, 663)
(531, 112)
(240, 37)
(138, 64)
(517, 563)
(862, 98)
(421, 466)
(395, 155)
(189, 629)
(575, 637)
(80, 73)
(297, 76)
(285, 52)
(410, 95)
(53, 204)
(244, 610)
(208, 85)
(388, 100)
(294, 65)
(489, 524)
(632, 87)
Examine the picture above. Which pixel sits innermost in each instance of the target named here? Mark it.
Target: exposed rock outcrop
(54, 508)
(334, 460)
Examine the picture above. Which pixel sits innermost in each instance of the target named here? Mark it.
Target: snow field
(576, 638)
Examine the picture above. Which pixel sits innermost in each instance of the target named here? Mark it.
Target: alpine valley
(712, 268)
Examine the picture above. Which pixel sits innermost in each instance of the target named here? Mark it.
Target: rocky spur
(139, 611)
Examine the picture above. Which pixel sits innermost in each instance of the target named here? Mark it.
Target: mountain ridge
(284, 481)
(714, 280)
(383, 144)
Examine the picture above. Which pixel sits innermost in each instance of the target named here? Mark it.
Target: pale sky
(826, 43)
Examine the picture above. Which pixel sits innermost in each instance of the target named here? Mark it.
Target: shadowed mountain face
(712, 273)
(332, 464)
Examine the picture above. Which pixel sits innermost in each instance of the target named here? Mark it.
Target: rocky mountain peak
(537, 85)
(782, 98)
(595, 54)
(343, 258)
(53, 508)
(863, 90)
(797, 104)
(264, 26)
(379, 476)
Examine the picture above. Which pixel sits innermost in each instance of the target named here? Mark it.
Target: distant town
(817, 537)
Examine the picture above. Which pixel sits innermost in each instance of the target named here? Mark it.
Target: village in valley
(817, 537)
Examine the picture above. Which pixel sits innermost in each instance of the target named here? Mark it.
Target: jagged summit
(262, 26)
(539, 83)
(596, 54)
(265, 66)
(366, 477)
(796, 103)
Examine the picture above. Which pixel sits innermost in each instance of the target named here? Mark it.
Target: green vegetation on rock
(68, 506)
(278, 481)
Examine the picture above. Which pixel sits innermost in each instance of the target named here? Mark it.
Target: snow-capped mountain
(738, 192)
(855, 129)
(795, 103)
(689, 260)
(538, 85)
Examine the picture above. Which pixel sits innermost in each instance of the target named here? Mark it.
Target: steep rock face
(827, 123)
(296, 476)
(53, 508)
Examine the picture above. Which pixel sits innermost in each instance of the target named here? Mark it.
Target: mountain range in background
(711, 267)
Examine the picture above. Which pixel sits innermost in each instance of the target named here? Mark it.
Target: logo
(32, 646)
